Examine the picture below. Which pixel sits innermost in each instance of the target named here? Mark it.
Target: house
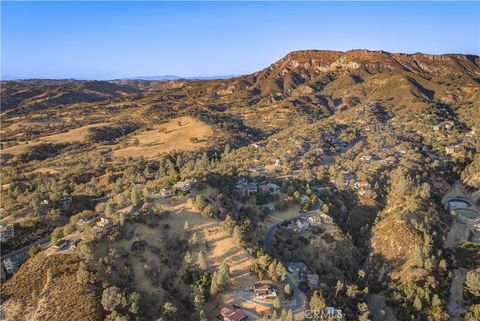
(332, 312)
(299, 226)
(278, 162)
(270, 188)
(297, 268)
(362, 185)
(268, 208)
(313, 279)
(166, 192)
(73, 243)
(436, 128)
(260, 170)
(471, 133)
(7, 232)
(244, 188)
(183, 186)
(366, 158)
(451, 149)
(304, 199)
(348, 176)
(66, 200)
(232, 314)
(449, 124)
(105, 223)
(11, 264)
(252, 188)
(314, 221)
(319, 189)
(61, 245)
(318, 218)
(85, 221)
(264, 291)
(44, 200)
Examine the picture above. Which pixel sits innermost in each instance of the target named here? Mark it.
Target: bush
(113, 298)
(200, 202)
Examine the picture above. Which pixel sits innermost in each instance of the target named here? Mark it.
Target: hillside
(25, 96)
(371, 141)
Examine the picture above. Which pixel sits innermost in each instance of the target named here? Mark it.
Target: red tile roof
(232, 315)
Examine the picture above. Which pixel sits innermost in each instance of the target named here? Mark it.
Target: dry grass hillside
(372, 139)
(29, 295)
(182, 133)
(79, 134)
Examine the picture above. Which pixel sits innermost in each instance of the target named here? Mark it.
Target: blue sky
(105, 40)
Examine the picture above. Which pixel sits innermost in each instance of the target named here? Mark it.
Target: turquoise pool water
(465, 212)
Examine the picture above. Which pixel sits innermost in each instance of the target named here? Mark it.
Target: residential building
(264, 291)
(304, 199)
(7, 232)
(297, 268)
(74, 243)
(299, 226)
(105, 223)
(366, 158)
(66, 200)
(268, 208)
(183, 186)
(451, 149)
(318, 218)
(252, 188)
(166, 192)
(232, 314)
(313, 279)
(85, 221)
(332, 312)
(62, 244)
(270, 188)
(260, 170)
(11, 264)
(362, 185)
(44, 200)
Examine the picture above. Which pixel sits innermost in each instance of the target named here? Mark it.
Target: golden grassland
(177, 135)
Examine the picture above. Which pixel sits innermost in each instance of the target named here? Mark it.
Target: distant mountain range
(148, 78)
(173, 77)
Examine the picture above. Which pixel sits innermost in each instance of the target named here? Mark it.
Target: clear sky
(105, 40)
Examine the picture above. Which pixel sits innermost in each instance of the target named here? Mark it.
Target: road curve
(268, 243)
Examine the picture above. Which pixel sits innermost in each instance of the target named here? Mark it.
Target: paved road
(268, 243)
(456, 290)
(268, 240)
(42, 243)
(455, 237)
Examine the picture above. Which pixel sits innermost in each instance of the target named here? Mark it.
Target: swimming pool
(458, 203)
(465, 213)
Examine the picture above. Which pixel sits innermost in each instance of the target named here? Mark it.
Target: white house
(166, 192)
(105, 223)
